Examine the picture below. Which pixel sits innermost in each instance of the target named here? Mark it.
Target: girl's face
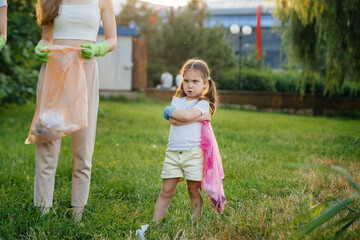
(193, 84)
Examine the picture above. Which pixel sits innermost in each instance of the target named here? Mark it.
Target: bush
(255, 80)
(18, 66)
(350, 89)
(286, 81)
(289, 81)
(252, 79)
(228, 80)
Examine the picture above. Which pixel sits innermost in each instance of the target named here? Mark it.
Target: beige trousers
(82, 146)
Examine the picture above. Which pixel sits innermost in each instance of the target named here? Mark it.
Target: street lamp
(245, 31)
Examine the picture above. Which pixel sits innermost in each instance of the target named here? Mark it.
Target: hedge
(278, 81)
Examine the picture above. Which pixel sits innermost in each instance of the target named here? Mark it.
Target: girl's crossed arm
(183, 120)
(185, 115)
(178, 116)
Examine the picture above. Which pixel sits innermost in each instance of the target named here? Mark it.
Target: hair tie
(209, 78)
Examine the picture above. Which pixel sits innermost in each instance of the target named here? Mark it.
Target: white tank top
(3, 3)
(78, 21)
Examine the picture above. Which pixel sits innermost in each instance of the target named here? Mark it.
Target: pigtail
(211, 96)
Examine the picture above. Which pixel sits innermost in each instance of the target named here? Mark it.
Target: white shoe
(140, 232)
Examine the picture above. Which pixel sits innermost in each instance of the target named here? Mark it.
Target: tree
(182, 35)
(324, 37)
(139, 15)
(18, 66)
(177, 35)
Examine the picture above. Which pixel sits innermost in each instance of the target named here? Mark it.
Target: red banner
(258, 32)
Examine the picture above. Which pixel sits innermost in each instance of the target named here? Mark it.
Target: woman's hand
(46, 40)
(3, 26)
(2, 42)
(94, 49)
(42, 56)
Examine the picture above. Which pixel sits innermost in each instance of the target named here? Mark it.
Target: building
(115, 69)
(243, 12)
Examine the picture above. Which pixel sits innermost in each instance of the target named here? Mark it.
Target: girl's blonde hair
(209, 94)
(46, 11)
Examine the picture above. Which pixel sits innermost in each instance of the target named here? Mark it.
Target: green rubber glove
(2, 42)
(42, 56)
(94, 49)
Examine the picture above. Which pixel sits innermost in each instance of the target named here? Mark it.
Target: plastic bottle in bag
(62, 105)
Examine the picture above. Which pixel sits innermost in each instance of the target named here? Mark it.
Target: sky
(174, 3)
(212, 3)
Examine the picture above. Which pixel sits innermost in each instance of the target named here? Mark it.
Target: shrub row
(282, 81)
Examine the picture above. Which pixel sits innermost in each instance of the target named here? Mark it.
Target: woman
(73, 23)
(3, 23)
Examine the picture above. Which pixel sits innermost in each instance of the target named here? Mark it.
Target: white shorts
(182, 164)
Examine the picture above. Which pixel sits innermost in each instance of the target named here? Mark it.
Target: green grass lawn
(269, 162)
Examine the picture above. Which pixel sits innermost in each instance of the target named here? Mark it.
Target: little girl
(192, 102)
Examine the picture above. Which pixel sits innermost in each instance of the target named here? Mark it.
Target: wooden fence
(310, 104)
